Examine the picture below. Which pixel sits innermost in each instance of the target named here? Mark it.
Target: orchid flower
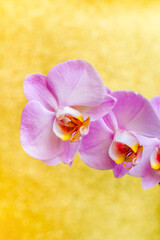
(149, 168)
(114, 142)
(60, 108)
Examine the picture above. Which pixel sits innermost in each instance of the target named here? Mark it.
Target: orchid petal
(135, 113)
(111, 121)
(120, 171)
(150, 180)
(108, 91)
(35, 88)
(69, 151)
(94, 146)
(156, 104)
(76, 83)
(53, 162)
(99, 111)
(37, 137)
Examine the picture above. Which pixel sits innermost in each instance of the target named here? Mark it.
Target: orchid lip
(69, 124)
(131, 157)
(155, 159)
(125, 149)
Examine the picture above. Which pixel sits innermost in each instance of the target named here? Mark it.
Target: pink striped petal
(150, 180)
(35, 88)
(111, 121)
(156, 104)
(37, 137)
(99, 111)
(135, 113)
(76, 83)
(94, 146)
(53, 162)
(120, 171)
(69, 151)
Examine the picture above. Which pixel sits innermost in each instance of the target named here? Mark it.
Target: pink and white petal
(37, 137)
(69, 151)
(98, 132)
(111, 121)
(99, 111)
(35, 88)
(76, 83)
(150, 180)
(53, 162)
(94, 146)
(156, 104)
(143, 168)
(98, 157)
(135, 113)
(120, 171)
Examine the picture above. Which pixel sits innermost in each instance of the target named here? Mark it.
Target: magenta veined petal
(35, 88)
(37, 137)
(135, 113)
(76, 83)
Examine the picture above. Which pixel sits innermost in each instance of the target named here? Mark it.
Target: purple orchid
(60, 108)
(115, 141)
(149, 168)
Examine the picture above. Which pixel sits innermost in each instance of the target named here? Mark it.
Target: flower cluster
(70, 110)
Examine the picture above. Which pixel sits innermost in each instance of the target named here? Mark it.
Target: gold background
(121, 39)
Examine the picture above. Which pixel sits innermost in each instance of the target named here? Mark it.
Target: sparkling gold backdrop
(121, 39)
